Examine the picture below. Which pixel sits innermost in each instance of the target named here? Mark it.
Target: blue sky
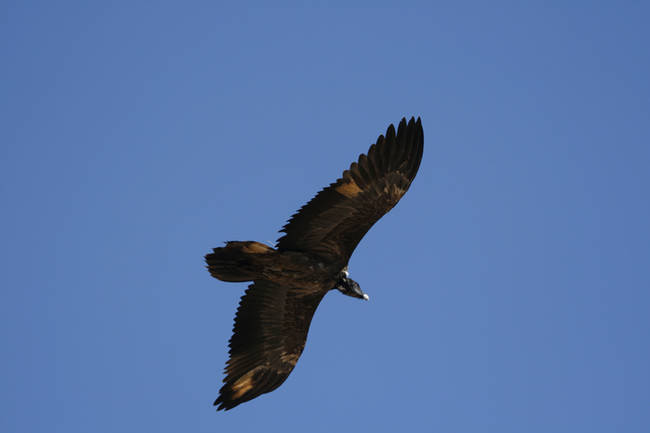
(509, 288)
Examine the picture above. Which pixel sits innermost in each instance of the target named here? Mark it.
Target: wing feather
(334, 221)
(269, 336)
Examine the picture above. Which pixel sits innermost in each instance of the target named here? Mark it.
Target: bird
(309, 259)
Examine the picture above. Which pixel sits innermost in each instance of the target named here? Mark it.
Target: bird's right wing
(334, 221)
(269, 336)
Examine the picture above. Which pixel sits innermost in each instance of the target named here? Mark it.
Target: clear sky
(510, 288)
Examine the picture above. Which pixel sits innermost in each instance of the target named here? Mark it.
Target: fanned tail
(238, 261)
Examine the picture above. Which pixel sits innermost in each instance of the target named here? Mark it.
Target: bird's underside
(310, 259)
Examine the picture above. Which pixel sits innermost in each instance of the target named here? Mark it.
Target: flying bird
(309, 260)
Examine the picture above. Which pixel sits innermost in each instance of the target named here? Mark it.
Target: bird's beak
(359, 293)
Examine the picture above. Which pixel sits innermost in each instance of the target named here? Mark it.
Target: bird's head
(349, 287)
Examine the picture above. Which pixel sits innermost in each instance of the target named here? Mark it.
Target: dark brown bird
(309, 260)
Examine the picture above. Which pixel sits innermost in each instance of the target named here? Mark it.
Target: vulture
(309, 259)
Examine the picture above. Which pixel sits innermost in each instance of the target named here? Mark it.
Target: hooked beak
(359, 293)
(350, 287)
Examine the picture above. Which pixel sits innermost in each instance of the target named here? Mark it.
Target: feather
(334, 221)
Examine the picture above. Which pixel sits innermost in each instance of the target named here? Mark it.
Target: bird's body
(311, 259)
(257, 261)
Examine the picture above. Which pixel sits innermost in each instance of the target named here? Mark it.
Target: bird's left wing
(269, 336)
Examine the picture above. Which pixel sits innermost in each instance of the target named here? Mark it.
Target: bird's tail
(238, 261)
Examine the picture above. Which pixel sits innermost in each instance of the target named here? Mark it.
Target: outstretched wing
(334, 221)
(269, 336)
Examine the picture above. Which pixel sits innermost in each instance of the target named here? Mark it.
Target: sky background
(510, 288)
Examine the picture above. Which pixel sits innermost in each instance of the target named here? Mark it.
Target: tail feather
(238, 261)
